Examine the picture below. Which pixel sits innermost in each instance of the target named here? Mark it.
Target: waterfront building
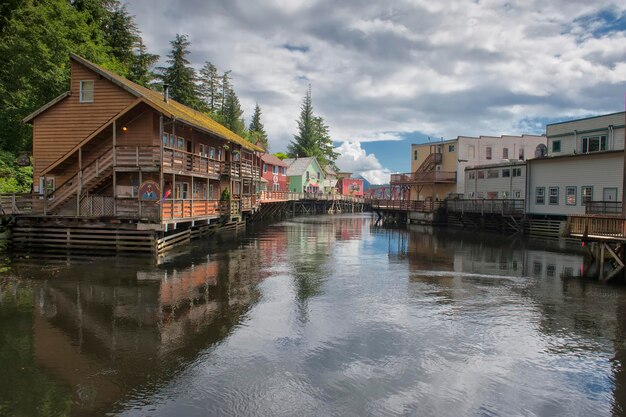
(346, 185)
(330, 181)
(305, 175)
(274, 172)
(584, 166)
(110, 148)
(438, 168)
(506, 180)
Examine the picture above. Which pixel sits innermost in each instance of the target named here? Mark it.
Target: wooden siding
(598, 171)
(60, 128)
(582, 125)
(481, 187)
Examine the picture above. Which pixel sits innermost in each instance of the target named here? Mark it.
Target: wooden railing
(610, 208)
(81, 181)
(137, 156)
(179, 160)
(597, 227)
(272, 196)
(180, 209)
(407, 205)
(21, 203)
(503, 207)
(229, 208)
(424, 177)
(231, 168)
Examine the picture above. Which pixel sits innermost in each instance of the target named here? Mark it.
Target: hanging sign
(149, 190)
(275, 178)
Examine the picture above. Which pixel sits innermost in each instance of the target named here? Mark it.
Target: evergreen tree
(121, 34)
(232, 112)
(257, 130)
(313, 138)
(303, 143)
(141, 67)
(180, 75)
(211, 87)
(226, 87)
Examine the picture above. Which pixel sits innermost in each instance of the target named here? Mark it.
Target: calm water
(318, 316)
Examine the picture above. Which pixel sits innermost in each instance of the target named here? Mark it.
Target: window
(275, 169)
(308, 175)
(556, 146)
(450, 148)
(264, 167)
(506, 173)
(318, 175)
(212, 152)
(166, 139)
(284, 170)
(570, 196)
(86, 91)
(276, 186)
(237, 188)
(493, 173)
(219, 154)
(471, 151)
(199, 190)
(586, 194)
(594, 143)
(236, 156)
(517, 172)
(505, 153)
(48, 186)
(471, 175)
(521, 154)
(212, 195)
(488, 152)
(481, 174)
(550, 270)
(505, 194)
(181, 143)
(517, 194)
(415, 155)
(540, 195)
(554, 195)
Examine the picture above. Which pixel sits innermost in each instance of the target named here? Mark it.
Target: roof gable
(298, 166)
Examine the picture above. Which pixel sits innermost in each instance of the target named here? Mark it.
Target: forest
(36, 38)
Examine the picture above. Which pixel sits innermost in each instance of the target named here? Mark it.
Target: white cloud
(353, 158)
(379, 70)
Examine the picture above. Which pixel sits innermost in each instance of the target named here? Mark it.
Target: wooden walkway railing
(502, 207)
(607, 208)
(407, 205)
(274, 196)
(597, 227)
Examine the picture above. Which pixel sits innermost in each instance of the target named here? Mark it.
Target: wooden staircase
(89, 178)
(428, 165)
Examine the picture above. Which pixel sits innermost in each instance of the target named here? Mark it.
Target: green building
(305, 175)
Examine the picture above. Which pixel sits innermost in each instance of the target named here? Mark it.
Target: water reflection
(316, 316)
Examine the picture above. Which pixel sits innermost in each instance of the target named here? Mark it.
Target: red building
(349, 186)
(275, 173)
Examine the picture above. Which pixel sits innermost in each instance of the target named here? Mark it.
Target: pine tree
(303, 144)
(231, 113)
(226, 87)
(257, 130)
(141, 66)
(180, 75)
(121, 34)
(313, 138)
(211, 87)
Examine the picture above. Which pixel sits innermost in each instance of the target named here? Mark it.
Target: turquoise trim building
(305, 175)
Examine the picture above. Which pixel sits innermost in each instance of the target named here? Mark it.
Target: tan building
(438, 168)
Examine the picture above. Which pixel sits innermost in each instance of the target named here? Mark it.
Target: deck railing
(178, 160)
(430, 177)
(137, 156)
(407, 205)
(185, 208)
(502, 207)
(272, 196)
(611, 208)
(597, 227)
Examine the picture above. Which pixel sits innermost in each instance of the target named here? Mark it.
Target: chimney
(166, 92)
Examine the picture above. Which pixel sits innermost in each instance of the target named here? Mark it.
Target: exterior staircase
(89, 178)
(429, 164)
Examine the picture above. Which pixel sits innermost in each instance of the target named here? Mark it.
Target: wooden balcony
(502, 207)
(231, 169)
(180, 162)
(600, 228)
(137, 156)
(430, 177)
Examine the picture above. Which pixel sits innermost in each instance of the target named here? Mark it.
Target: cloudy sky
(388, 74)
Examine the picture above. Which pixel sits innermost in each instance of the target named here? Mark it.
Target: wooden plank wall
(60, 128)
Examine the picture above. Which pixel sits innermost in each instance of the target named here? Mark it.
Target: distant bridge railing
(274, 196)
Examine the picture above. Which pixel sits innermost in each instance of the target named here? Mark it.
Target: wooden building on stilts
(117, 166)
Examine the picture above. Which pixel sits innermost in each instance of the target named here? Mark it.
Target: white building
(505, 180)
(585, 163)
